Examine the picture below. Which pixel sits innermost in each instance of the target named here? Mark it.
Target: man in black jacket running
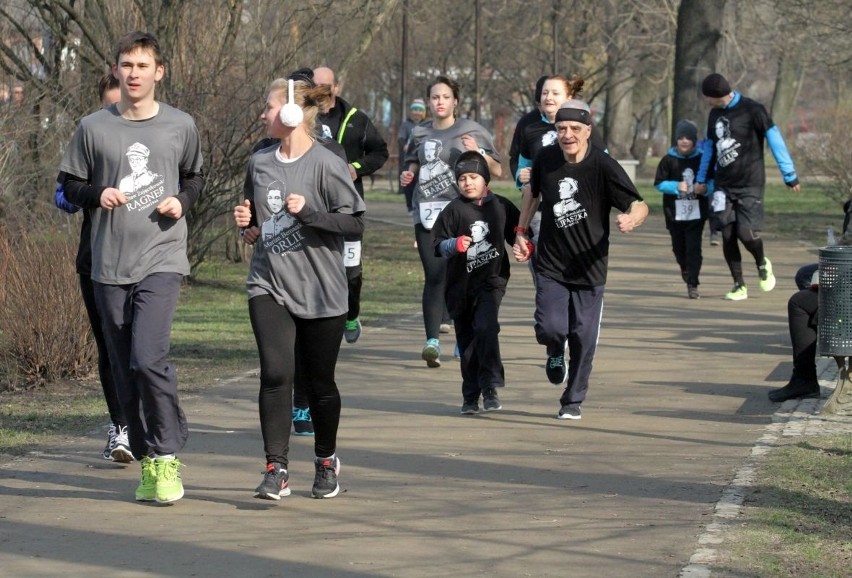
(366, 152)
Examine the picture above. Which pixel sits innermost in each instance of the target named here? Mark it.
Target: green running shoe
(738, 293)
(767, 278)
(169, 484)
(352, 331)
(147, 489)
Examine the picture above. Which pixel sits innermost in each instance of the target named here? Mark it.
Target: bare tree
(638, 39)
(825, 153)
(219, 62)
(807, 40)
(637, 56)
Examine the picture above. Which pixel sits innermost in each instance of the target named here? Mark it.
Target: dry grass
(44, 331)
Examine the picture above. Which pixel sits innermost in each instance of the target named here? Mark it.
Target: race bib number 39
(351, 253)
(429, 211)
(687, 210)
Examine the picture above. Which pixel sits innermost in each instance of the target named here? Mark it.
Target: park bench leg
(840, 402)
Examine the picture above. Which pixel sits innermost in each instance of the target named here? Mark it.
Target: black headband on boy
(574, 110)
(472, 162)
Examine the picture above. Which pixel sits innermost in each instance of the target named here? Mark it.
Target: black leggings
(802, 317)
(283, 342)
(435, 274)
(733, 232)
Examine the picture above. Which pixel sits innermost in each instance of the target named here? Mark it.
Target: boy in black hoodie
(472, 232)
(685, 211)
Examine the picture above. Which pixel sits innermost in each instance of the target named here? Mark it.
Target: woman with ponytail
(299, 202)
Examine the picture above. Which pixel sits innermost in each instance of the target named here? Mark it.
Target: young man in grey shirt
(137, 165)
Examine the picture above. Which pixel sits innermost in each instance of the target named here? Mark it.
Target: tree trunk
(618, 104)
(697, 47)
(618, 114)
(788, 83)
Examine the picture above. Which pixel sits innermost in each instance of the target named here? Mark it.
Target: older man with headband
(573, 246)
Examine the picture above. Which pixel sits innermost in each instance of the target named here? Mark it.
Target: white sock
(164, 456)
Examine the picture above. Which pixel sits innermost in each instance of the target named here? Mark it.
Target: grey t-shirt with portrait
(143, 159)
(300, 266)
(436, 151)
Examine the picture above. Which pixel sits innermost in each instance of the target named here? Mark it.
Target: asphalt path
(677, 400)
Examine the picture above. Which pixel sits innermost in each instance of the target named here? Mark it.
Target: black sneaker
(556, 368)
(570, 412)
(275, 483)
(325, 481)
(302, 423)
(469, 408)
(490, 400)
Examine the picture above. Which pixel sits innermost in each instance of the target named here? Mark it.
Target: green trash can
(835, 301)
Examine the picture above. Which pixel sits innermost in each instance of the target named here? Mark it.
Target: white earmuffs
(291, 114)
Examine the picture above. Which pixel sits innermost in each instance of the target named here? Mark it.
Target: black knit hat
(715, 86)
(472, 162)
(686, 128)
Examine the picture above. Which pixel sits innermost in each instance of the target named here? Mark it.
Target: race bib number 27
(429, 212)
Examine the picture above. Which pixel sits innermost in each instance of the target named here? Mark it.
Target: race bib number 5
(429, 211)
(351, 253)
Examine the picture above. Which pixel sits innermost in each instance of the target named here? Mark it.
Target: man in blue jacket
(366, 152)
(736, 129)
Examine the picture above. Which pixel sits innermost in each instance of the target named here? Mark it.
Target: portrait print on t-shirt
(435, 175)
(727, 147)
(688, 176)
(481, 250)
(548, 138)
(281, 232)
(142, 187)
(568, 211)
(686, 205)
